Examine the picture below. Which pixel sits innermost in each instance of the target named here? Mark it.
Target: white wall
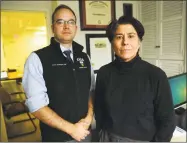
(80, 37)
(185, 45)
(48, 6)
(3, 62)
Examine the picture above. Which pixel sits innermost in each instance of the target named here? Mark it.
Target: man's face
(64, 32)
(126, 42)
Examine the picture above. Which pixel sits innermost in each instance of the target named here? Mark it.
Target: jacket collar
(76, 47)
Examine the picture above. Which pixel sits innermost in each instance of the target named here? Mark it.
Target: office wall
(44, 6)
(3, 62)
(22, 33)
(80, 37)
(49, 6)
(25, 6)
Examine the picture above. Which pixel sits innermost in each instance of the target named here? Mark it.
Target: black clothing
(105, 136)
(68, 86)
(115, 138)
(133, 100)
(88, 138)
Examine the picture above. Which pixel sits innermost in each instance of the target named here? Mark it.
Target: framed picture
(96, 15)
(128, 9)
(99, 49)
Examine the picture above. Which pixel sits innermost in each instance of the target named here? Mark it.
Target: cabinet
(164, 41)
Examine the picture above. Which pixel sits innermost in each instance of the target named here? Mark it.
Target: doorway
(21, 33)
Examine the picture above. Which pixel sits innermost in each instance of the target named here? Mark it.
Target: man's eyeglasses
(61, 22)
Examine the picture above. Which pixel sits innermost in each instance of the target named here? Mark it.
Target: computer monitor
(178, 89)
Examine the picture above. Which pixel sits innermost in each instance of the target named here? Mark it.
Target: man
(59, 82)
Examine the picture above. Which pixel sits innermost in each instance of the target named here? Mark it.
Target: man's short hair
(62, 6)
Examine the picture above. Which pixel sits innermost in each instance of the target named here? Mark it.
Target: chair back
(4, 96)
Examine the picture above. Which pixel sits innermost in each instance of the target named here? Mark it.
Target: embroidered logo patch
(81, 61)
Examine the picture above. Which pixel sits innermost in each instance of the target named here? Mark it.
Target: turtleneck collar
(126, 66)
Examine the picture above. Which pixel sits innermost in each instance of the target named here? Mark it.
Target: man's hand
(78, 132)
(86, 122)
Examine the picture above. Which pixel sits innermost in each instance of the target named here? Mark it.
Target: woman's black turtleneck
(133, 100)
(122, 65)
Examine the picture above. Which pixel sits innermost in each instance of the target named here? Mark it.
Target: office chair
(14, 108)
(180, 115)
(183, 121)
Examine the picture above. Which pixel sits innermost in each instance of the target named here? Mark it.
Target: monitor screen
(178, 89)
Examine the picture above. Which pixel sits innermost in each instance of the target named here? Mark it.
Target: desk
(179, 135)
(13, 76)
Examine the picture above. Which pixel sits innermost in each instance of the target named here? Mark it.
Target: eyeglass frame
(63, 22)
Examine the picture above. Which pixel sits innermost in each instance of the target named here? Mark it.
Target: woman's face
(126, 42)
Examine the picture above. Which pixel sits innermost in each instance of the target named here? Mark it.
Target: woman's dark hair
(62, 6)
(111, 28)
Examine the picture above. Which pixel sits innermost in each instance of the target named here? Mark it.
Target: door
(22, 33)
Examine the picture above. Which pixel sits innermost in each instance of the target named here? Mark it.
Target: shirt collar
(65, 49)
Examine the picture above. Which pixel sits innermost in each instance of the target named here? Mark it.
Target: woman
(133, 101)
